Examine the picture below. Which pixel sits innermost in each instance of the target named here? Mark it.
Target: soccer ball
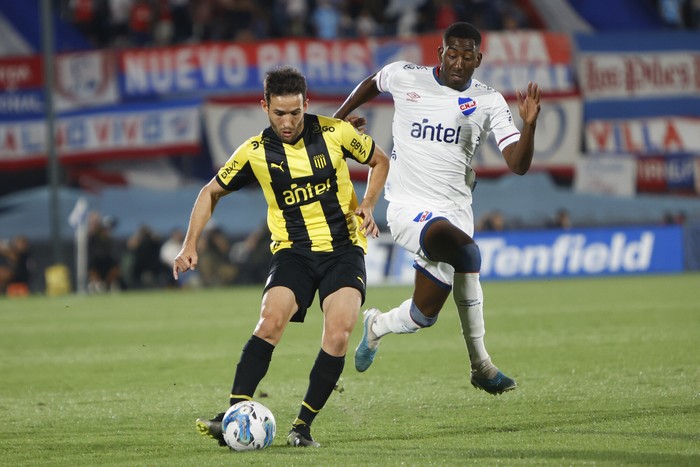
(248, 425)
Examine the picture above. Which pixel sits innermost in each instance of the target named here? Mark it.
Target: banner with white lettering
(628, 75)
(606, 175)
(114, 132)
(335, 67)
(512, 59)
(546, 254)
(668, 173)
(21, 87)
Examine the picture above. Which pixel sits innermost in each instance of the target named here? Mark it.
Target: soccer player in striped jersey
(318, 231)
(441, 117)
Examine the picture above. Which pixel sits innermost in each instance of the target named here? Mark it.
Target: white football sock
(395, 321)
(469, 298)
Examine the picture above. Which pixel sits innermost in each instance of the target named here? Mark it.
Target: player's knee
(419, 318)
(467, 258)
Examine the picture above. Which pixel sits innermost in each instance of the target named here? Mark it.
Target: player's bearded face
(458, 60)
(286, 114)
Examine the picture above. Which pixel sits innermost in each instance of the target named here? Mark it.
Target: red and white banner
(639, 74)
(662, 135)
(118, 132)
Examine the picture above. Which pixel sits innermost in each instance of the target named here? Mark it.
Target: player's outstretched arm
(203, 208)
(519, 155)
(363, 92)
(378, 171)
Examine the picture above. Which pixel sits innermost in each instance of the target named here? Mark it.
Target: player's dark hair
(284, 81)
(463, 30)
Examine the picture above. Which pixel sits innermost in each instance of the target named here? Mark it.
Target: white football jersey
(436, 132)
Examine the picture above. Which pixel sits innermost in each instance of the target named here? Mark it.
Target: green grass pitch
(608, 373)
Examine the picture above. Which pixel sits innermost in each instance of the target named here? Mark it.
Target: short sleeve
(502, 125)
(356, 145)
(237, 172)
(385, 75)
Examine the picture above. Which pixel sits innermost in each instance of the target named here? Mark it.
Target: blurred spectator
(103, 267)
(671, 12)
(561, 220)
(513, 18)
(140, 266)
(296, 14)
(325, 19)
(492, 222)
(141, 20)
(119, 11)
(16, 266)
(241, 20)
(202, 19)
(366, 25)
(445, 14)
(214, 265)
(5, 265)
(671, 218)
(694, 13)
(405, 15)
(22, 260)
(252, 256)
(163, 27)
(182, 20)
(83, 16)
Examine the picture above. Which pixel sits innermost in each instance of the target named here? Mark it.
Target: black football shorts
(306, 272)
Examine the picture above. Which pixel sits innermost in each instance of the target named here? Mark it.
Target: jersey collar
(436, 75)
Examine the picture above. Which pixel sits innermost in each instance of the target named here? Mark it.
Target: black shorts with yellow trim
(305, 272)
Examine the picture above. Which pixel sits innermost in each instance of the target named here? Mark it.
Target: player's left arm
(361, 147)
(519, 155)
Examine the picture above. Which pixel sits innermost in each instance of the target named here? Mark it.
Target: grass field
(608, 372)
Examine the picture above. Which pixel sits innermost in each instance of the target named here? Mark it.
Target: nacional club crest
(467, 105)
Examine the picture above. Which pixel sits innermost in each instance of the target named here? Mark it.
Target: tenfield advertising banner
(546, 254)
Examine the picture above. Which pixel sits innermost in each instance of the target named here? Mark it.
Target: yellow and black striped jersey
(310, 197)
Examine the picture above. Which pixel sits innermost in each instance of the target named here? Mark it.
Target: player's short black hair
(463, 30)
(284, 81)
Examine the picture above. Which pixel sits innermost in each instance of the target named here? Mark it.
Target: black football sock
(251, 369)
(322, 380)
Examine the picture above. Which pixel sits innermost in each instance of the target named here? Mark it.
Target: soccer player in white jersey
(441, 116)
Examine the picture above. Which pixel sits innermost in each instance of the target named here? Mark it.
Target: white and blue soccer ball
(248, 425)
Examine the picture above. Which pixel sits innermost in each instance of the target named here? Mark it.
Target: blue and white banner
(544, 254)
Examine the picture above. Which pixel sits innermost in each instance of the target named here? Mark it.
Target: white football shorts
(407, 222)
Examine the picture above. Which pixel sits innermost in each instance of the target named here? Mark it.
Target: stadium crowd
(136, 23)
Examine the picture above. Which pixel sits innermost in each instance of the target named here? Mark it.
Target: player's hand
(368, 226)
(529, 103)
(360, 123)
(185, 261)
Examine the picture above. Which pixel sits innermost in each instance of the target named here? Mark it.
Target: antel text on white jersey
(437, 130)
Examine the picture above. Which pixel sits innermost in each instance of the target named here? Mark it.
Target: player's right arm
(202, 211)
(363, 92)
(235, 174)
